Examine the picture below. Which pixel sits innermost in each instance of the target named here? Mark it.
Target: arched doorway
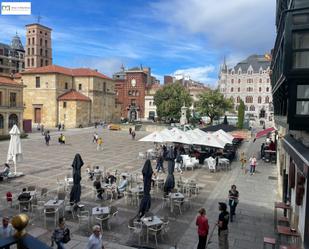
(13, 119)
(133, 115)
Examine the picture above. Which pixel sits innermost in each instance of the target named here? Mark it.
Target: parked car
(114, 127)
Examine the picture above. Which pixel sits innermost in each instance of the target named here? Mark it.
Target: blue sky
(170, 36)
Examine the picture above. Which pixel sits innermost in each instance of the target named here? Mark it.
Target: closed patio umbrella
(76, 189)
(146, 200)
(170, 180)
(14, 151)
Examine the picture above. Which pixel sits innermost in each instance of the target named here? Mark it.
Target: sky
(170, 36)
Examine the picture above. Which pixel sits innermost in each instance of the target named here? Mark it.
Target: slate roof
(73, 95)
(256, 62)
(84, 72)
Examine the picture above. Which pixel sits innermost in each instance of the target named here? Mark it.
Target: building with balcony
(11, 104)
(290, 90)
(249, 80)
(12, 57)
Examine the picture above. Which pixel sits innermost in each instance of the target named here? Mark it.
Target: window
(41, 52)
(28, 62)
(249, 99)
(1, 122)
(238, 89)
(252, 108)
(232, 89)
(266, 99)
(130, 93)
(42, 63)
(79, 86)
(260, 89)
(300, 49)
(33, 31)
(46, 63)
(267, 89)
(232, 81)
(1, 98)
(37, 82)
(302, 101)
(238, 80)
(28, 51)
(46, 53)
(238, 99)
(12, 99)
(41, 42)
(32, 51)
(28, 41)
(64, 104)
(32, 62)
(32, 40)
(149, 103)
(45, 43)
(261, 81)
(66, 85)
(259, 99)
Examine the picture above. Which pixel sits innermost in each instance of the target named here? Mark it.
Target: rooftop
(82, 72)
(7, 81)
(73, 95)
(255, 61)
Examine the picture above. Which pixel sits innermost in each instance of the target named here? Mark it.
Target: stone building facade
(52, 91)
(11, 104)
(12, 57)
(150, 107)
(249, 80)
(38, 46)
(131, 87)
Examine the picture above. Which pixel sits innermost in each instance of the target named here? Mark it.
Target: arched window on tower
(238, 99)
(252, 108)
(259, 99)
(267, 99)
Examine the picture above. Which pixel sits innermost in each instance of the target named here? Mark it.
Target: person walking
(203, 227)
(58, 234)
(130, 130)
(59, 127)
(95, 138)
(47, 138)
(95, 240)
(100, 144)
(133, 135)
(233, 200)
(222, 224)
(252, 161)
(6, 230)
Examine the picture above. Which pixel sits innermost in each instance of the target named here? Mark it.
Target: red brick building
(130, 86)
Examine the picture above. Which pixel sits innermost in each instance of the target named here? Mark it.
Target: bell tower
(38, 46)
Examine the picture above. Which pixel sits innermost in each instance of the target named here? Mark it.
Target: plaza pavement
(43, 165)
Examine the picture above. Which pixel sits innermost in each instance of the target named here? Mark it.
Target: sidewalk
(254, 214)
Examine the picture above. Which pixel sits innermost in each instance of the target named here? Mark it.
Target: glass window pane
(302, 107)
(303, 91)
(301, 59)
(301, 40)
(299, 19)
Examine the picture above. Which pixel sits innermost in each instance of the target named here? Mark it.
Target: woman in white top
(252, 161)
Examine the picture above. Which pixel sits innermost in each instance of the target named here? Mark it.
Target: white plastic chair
(83, 217)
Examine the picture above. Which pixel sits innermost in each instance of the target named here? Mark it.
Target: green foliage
(170, 99)
(241, 115)
(213, 104)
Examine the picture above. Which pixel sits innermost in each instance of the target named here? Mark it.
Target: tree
(241, 114)
(213, 104)
(170, 99)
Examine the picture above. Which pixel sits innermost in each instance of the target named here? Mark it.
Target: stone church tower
(38, 46)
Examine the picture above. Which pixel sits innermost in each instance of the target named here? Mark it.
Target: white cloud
(239, 25)
(198, 73)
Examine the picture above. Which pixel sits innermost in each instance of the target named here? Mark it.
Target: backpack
(66, 236)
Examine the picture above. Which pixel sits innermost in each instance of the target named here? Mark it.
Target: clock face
(133, 82)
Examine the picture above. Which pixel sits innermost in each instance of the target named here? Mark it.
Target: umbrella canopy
(225, 127)
(264, 132)
(76, 189)
(199, 137)
(177, 136)
(224, 133)
(14, 151)
(220, 135)
(156, 137)
(146, 200)
(170, 180)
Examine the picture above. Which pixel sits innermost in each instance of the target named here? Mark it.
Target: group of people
(61, 138)
(98, 141)
(132, 133)
(111, 181)
(222, 222)
(252, 163)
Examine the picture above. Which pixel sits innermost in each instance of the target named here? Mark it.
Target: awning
(264, 132)
(298, 152)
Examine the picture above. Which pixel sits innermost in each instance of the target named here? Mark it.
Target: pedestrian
(95, 124)
(6, 230)
(252, 161)
(42, 129)
(95, 240)
(222, 224)
(203, 227)
(130, 130)
(133, 134)
(95, 138)
(243, 160)
(160, 161)
(61, 139)
(59, 126)
(63, 127)
(100, 144)
(233, 200)
(59, 234)
(47, 138)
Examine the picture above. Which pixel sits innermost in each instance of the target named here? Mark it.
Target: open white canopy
(155, 137)
(207, 139)
(221, 134)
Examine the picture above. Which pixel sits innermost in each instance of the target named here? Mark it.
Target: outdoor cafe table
(286, 231)
(100, 210)
(175, 196)
(150, 222)
(56, 204)
(280, 205)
